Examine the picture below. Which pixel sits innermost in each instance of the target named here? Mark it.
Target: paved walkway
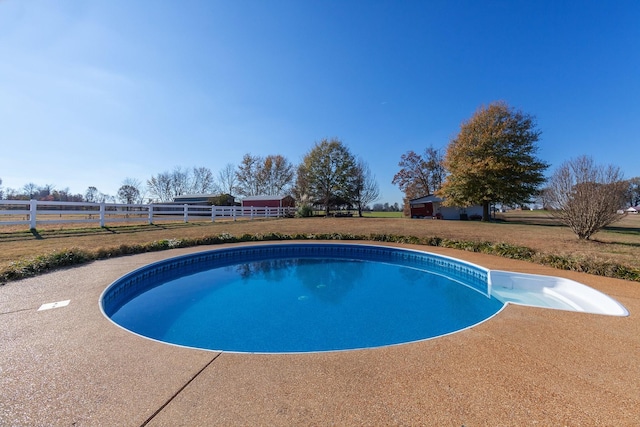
(527, 366)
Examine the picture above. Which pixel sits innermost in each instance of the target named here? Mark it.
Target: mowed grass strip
(530, 236)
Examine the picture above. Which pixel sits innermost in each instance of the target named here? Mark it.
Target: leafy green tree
(327, 174)
(492, 160)
(633, 191)
(224, 199)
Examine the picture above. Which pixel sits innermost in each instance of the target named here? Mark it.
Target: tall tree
(136, 191)
(301, 190)
(31, 190)
(271, 175)
(128, 194)
(203, 181)
(161, 187)
(420, 174)
(91, 195)
(633, 191)
(227, 179)
(167, 185)
(278, 175)
(180, 181)
(492, 160)
(586, 196)
(248, 176)
(327, 173)
(366, 188)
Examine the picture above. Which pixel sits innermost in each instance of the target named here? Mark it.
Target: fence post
(102, 213)
(33, 207)
(186, 212)
(213, 213)
(235, 210)
(150, 207)
(251, 214)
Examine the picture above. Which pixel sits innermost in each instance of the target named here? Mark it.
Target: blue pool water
(300, 298)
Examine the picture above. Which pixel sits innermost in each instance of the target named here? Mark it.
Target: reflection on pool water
(303, 297)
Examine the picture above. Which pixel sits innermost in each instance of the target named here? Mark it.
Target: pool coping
(150, 276)
(69, 364)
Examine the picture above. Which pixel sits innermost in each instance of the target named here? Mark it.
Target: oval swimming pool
(302, 297)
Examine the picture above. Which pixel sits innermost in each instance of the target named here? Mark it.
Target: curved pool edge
(498, 282)
(457, 270)
(284, 353)
(142, 278)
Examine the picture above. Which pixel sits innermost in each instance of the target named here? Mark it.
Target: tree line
(329, 177)
(492, 160)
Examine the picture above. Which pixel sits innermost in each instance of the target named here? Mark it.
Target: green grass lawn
(368, 214)
(527, 235)
(382, 214)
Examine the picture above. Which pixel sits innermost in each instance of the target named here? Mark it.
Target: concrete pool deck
(72, 366)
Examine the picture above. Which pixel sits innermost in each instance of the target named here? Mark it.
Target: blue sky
(93, 92)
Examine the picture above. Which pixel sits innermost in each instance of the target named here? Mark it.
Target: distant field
(382, 214)
(370, 214)
(619, 243)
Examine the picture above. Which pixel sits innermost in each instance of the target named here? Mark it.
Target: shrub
(67, 257)
(304, 211)
(43, 263)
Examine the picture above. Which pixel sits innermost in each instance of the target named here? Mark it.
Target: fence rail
(35, 212)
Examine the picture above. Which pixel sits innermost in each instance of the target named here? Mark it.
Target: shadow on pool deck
(526, 365)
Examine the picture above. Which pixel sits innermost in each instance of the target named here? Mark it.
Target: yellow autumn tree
(492, 160)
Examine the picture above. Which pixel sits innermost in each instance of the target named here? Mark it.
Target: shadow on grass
(45, 234)
(551, 222)
(628, 244)
(554, 222)
(623, 230)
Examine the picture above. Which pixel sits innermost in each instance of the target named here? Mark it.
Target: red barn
(431, 207)
(422, 207)
(268, 202)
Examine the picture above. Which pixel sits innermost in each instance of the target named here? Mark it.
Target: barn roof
(279, 197)
(195, 196)
(426, 199)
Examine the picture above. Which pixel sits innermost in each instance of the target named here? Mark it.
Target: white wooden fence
(35, 212)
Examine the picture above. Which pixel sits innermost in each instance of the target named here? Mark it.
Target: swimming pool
(283, 298)
(304, 297)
